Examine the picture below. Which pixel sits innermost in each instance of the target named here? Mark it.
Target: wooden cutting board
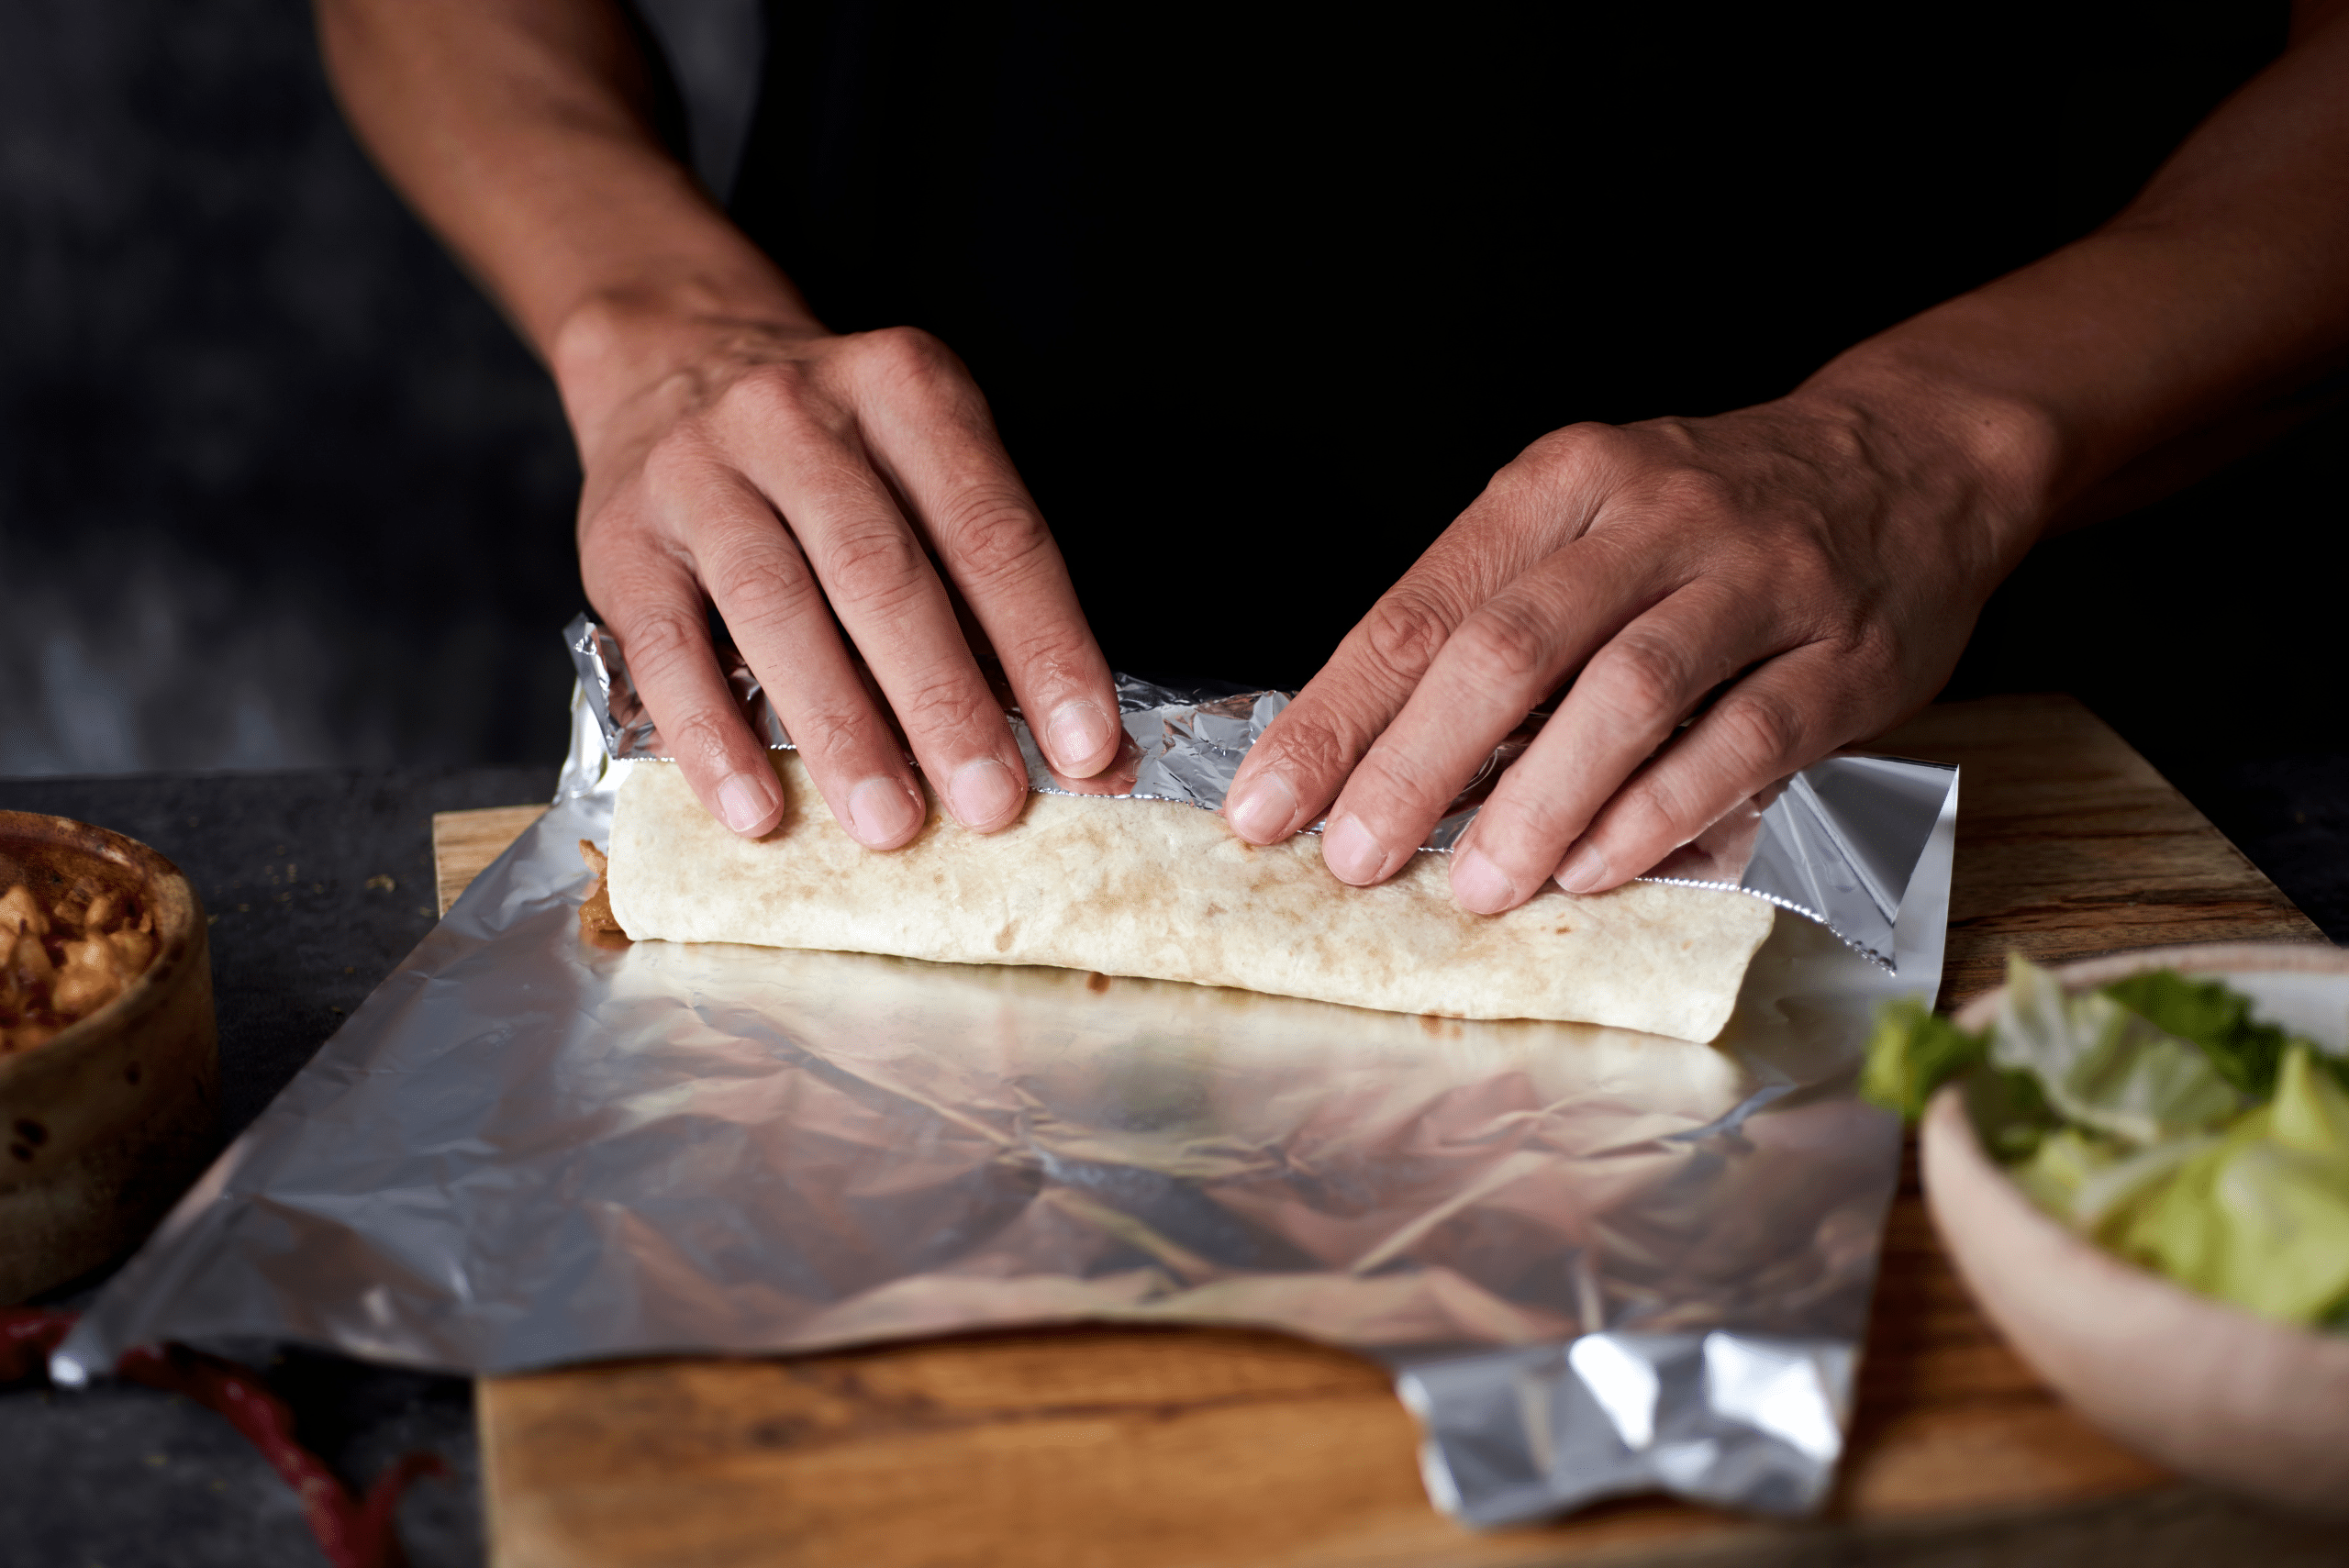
(1170, 1447)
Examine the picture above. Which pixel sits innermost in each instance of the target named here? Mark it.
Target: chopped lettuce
(2311, 1109)
(1913, 1051)
(2008, 1110)
(2095, 1181)
(2061, 1165)
(2261, 1216)
(2129, 1113)
(2246, 1053)
(2103, 1066)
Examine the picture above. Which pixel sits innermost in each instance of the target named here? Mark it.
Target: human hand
(792, 477)
(1835, 547)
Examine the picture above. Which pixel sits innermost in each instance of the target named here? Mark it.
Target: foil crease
(1596, 1261)
(1835, 844)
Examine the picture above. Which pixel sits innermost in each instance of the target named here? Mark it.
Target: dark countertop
(126, 1477)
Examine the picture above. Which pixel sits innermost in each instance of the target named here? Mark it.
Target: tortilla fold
(1165, 891)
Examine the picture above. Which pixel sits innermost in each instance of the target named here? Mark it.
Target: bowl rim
(2312, 957)
(182, 937)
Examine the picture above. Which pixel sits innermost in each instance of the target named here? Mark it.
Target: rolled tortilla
(1162, 890)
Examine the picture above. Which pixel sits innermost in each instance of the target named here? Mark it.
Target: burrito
(1162, 890)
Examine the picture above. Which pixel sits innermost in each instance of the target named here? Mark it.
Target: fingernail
(982, 791)
(1584, 870)
(1079, 729)
(742, 803)
(1263, 811)
(1479, 885)
(1351, 853)
(881, 811)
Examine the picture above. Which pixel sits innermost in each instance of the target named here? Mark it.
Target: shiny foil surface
(1597, 1261)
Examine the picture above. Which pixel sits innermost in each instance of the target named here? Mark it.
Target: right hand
(792, 475)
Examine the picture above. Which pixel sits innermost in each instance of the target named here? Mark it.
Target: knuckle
(1403, 633)
(1390, 777)
(758, 588)
(673, 463)
(1574, 445)
(1874, 656)
(1692, 492)
(698, 735)
(901, 354)
(833, 737)
(1759, 731)
(1574, 459)
(1503, 647)
(991, 534)
(662, 641)
(947, 706)
(615, 525)
(1308, 748)
(1642, 680)
(878, 566)
(1656, 814)
(767, 395)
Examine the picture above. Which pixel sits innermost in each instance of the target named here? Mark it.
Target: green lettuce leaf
(2010, 1112)
(2311, 1110)
(2094, 1183)
(2063, 1162)
(2260, 1216)
(2103, 1066)
(2246, 1053)
(1912, 1052)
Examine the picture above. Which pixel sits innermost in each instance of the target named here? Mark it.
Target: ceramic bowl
(2207, 1389)
(103, 1126)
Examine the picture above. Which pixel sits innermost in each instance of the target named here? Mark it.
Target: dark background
(278, 487)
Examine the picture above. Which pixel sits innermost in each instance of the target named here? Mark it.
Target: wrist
(2009, 455)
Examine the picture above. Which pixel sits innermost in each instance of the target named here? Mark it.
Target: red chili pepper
(27, 1336)
(353, 1532)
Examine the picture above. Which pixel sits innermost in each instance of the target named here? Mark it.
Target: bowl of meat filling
(109, 1058)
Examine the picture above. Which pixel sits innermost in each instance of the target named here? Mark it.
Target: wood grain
(1169, 1448)
(2069, 843)
(464, 842)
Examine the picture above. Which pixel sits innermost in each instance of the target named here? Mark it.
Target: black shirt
(1262, 295)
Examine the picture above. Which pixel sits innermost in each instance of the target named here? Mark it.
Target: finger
(653, 605)
(1500, 662)
(932, 435)
(1623, 705)
(764, 589)
(880, 584)
(1546, 497)
(1787, 714)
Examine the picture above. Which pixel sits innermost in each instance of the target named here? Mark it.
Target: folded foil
(1836, 843)
(1597, 1262)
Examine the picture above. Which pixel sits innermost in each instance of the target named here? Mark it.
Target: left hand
(1835, 546)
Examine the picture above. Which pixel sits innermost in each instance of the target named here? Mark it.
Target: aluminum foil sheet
(1597, 1261)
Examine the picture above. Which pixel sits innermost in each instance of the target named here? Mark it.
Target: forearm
(519, 129)
(2174, 332)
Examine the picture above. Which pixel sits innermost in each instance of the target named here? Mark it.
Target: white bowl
(2208, 1389)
